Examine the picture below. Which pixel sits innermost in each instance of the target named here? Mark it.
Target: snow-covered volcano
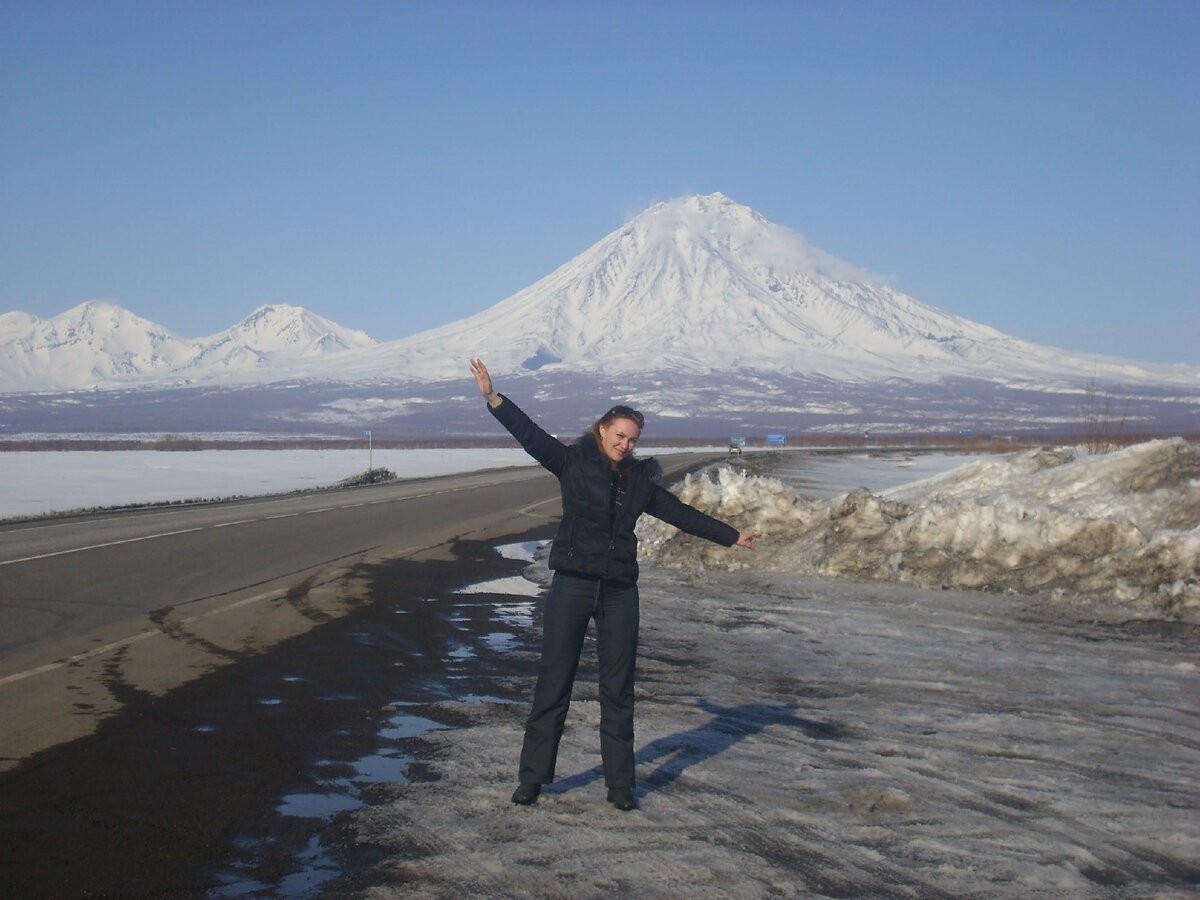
(704, 284)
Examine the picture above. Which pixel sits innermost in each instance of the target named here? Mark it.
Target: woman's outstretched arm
(666, 506)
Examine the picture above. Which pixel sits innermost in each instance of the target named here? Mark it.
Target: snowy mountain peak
(280, 327)
(723, 226)
(714, 214)
(100, 320)
(93, 343)
(270, 335)
(702, 284)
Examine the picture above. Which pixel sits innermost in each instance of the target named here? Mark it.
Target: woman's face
(618, 438)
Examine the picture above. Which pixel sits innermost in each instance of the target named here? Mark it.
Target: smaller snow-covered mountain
(93, 343)
(270, 335)
(100, 344)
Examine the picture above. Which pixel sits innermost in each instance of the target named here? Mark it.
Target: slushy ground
(811, 738)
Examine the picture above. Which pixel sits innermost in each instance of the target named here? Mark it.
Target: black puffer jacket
(590, 540)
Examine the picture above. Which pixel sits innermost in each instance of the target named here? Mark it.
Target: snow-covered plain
(43, 482)
(37, 483)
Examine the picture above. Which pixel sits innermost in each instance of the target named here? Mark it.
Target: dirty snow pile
(1122, 526)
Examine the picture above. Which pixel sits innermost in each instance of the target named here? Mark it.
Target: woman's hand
(747, 538)
(484, 381)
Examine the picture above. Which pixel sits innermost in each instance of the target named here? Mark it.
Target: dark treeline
(933, 441)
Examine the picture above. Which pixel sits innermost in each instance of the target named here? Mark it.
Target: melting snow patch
(521, 552)
(1121, 527)
(513, 584)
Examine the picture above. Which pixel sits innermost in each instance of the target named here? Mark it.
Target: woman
(594, 558)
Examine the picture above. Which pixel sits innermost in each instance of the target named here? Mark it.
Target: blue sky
(398, 165)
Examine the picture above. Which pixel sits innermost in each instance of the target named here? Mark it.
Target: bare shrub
(1102, 417)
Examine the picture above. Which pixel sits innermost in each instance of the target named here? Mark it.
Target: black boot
(622, 798)
(526, 793)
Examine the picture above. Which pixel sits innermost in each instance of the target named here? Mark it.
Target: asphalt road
(63, 578)
(151, 599)
(144, 601)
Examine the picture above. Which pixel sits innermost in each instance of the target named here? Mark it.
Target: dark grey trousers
(572, 603)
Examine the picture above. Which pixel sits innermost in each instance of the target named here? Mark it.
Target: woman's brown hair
(619, 412)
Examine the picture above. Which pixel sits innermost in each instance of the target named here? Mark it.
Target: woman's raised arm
(484, 381)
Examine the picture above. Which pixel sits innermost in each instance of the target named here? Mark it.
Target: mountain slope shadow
(729, 725)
